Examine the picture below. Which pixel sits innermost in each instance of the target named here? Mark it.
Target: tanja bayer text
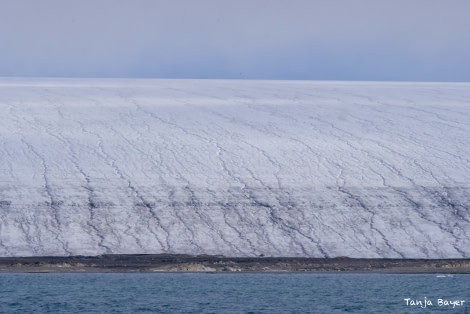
(424, 303)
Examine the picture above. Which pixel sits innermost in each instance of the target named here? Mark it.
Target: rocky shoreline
(122, 263)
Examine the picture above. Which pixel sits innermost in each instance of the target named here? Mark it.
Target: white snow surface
(240, 168)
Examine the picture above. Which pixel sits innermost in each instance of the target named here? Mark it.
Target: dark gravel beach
(218, 263)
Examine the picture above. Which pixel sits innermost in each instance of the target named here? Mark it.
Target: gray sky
(424, 40)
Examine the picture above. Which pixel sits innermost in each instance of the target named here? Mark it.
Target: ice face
(241, 168)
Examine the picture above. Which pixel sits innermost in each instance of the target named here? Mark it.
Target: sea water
(233, 293)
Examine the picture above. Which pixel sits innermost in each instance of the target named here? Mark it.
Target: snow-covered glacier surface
(240, 168)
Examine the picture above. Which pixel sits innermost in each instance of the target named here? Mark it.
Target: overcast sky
(423, 40)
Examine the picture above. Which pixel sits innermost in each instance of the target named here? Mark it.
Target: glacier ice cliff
(240, 168)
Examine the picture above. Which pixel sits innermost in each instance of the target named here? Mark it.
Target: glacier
(233, 167)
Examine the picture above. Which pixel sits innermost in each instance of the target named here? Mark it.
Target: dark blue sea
(233, 293)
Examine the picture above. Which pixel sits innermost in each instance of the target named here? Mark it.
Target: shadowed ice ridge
(240, 168)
